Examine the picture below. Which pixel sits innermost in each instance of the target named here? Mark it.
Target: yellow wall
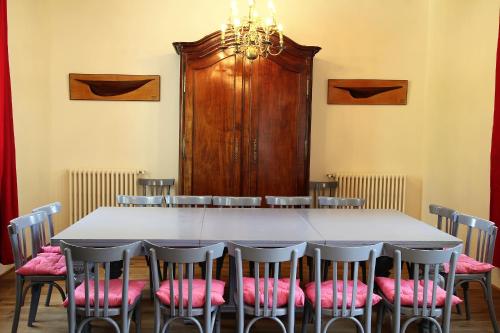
(459, 106)
(446, 49)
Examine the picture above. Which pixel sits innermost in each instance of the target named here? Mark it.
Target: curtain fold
(495, 159)
(8, 183)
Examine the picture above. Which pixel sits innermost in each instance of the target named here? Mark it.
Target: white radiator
(90, 189)
(381, 191)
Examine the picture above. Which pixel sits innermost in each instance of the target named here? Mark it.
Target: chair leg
(137, 317)
(35, 299)
(305, 318)
(217, 322)
(219, 265)
(49, 294)
(19, 301)
(465, 288)
(380, 317)
(488, 293)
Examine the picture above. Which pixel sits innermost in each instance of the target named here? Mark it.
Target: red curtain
(8, 184)
(495, 160)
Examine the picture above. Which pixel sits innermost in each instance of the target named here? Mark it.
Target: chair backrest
(92, 259)
(426, 264)
(240, 202)
(139, 200)
(447, 214)
(182, 257)
(345, 256)
(482, 233)
(267, 257)
(19, 236)
(334, 202)
(288, 202)
(50, 209)
(189, 200)
(156, 186)
(319, 188)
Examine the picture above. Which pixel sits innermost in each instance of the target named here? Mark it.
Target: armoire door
(211, 126)
(244, 126)
(276, 109)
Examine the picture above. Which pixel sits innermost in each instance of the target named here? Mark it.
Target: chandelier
(251, 35)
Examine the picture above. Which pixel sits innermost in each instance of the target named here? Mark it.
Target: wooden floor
(53, 319)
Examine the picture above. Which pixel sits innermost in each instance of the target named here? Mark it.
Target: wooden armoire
(244, 125)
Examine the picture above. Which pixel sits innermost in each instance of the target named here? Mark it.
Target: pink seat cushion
(51, 249)
(114, 293)
(44, 264)
(467, 265)
(283, 292)
(199, 290)
(386, 285)
(327, 294)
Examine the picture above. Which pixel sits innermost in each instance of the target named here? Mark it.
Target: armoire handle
(236, 149)
(255, 150)
(184, 148)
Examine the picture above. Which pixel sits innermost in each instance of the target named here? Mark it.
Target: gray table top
(110, 226)
(257, 227)
(367, 226)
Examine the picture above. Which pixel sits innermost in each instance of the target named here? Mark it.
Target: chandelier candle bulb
(254, 35)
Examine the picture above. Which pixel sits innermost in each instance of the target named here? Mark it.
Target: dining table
(260, 227)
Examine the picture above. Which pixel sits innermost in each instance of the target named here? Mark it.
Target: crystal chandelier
(251, 35)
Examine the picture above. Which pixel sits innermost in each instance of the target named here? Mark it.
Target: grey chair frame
(288, 202)
(189, 200)
(425, 263)
(80, 316)
(236, 202)
(184, 257)
(319, 188)
(345, 256)
(18, 234)
(139, 200)
(156, 186)
(232, 202)
(268, 257)
(336, 202)
(446, 218)
(50, 209)
(484, 236)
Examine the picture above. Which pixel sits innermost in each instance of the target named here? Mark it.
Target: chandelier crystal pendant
(251, 35)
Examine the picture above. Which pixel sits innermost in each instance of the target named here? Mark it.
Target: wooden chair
(29, 263)
(428, 301)
(156, 186)
(476, 266)
(139, 200)
(340, 308)
(189, 201)
(185, 306)
(50, 209)
(232, 202)
(333, 202)
(446, 215)
(119, 297)
(236, 202)
(319, 188)
(269, 309)
(288, 202)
